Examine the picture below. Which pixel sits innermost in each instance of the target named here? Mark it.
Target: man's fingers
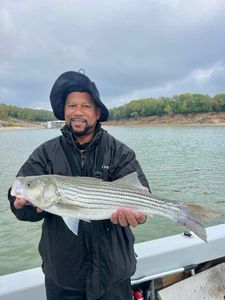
(130, 217)
(125, 216)
(20, 202)
(114, 218)
(122, 218)
(141, 218)
(118, 217)
(39, 210)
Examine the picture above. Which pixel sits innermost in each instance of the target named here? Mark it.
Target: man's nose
(79, 110)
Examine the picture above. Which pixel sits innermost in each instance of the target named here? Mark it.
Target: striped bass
(89, 198)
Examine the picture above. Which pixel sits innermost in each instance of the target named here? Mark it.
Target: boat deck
(156, 259)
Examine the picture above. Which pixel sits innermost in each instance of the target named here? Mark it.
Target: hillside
(13, 116)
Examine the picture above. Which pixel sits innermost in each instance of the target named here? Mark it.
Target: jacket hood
(69, 82)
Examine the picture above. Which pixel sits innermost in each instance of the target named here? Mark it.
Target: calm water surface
(182, 163)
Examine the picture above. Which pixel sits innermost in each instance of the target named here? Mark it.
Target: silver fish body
(89, 198)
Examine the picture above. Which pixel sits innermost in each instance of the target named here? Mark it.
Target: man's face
(81, 113)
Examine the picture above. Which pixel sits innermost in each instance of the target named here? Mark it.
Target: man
(99, 261)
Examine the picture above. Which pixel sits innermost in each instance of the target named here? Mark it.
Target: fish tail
(193, 216)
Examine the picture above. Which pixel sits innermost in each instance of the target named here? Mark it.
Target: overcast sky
(131, 48)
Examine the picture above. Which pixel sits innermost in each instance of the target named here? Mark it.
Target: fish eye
(29, 184)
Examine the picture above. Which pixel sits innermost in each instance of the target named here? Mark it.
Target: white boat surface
(155, 259)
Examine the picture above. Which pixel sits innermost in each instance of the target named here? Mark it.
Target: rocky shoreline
(217, 119)
(18, 124)
(204, 119)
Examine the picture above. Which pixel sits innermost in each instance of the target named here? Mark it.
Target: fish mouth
(18, 190)
(18, 195)
(15, 190)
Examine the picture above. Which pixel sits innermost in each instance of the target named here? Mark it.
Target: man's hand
(126, 216)
(20, 202)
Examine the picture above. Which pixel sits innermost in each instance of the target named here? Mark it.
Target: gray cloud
(131, 49)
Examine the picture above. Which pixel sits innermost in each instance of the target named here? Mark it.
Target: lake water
(182, 163)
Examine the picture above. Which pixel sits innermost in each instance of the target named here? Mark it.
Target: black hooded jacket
(102, 254)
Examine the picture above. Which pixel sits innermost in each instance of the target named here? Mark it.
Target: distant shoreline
(17, 124)
(204, 119)
(18, 128)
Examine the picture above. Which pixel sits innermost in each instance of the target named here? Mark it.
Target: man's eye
(86, 106)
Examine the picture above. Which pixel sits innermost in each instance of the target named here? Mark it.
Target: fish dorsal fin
(132, 181)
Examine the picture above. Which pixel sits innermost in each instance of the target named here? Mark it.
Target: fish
(88, 198)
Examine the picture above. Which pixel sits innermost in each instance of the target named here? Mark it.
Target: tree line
(32, 115)
(180, 104)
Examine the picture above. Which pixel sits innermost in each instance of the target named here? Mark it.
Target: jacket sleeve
(37, 164)
(124, 162)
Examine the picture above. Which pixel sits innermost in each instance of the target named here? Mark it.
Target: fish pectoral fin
(72, 224)
(131, 180)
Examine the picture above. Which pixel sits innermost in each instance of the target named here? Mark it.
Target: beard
(88, 128)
